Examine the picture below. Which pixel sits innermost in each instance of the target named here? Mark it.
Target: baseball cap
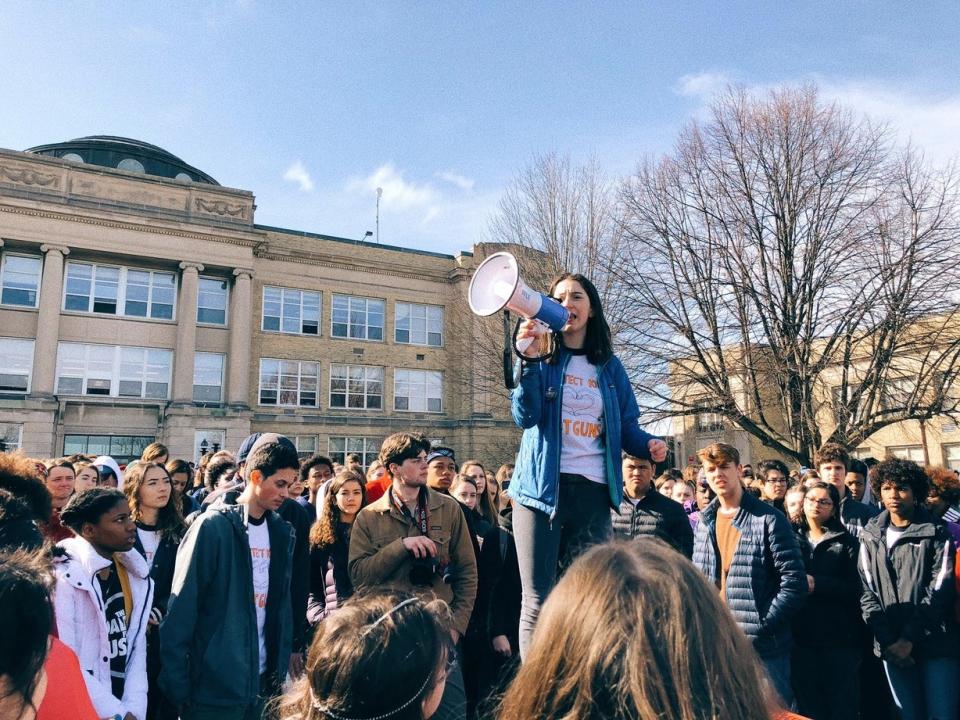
(440, 451)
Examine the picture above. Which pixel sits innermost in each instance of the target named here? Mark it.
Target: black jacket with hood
(908, 590)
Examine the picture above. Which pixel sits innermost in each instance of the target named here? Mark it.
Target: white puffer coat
(82, 625)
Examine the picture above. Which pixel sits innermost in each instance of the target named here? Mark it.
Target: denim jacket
(536, 407)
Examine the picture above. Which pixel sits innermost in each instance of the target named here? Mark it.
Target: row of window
(296, 383)
(136, 372)
(135, 293)
(111, 290)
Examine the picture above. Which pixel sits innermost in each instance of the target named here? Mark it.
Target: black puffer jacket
(655, 515)
(908, 590)
(830, 618)
(855, 515)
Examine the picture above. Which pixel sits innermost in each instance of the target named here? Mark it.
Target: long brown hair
(484, 504)
(170, 525)
(598, 343)
(377, 656)
(324, 531)
(634, 630)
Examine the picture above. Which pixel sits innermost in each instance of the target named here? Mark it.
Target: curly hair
(170, 525)
(831, 452)
(944, 484)
(18, 474)
(323, 534)
(89, 506)
(900, 472)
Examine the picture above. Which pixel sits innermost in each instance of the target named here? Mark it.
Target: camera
(423, 570)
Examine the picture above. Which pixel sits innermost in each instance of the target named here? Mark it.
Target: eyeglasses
(823, 502)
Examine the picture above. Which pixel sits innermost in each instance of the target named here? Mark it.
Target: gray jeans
(545, 548)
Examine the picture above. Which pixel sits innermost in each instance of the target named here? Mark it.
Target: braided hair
(89, 506)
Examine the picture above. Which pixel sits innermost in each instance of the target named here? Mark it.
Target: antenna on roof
(379, 195)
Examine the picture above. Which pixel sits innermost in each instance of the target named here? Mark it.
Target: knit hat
(246, 446)
(269, 439)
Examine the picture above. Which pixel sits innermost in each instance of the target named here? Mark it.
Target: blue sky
(313, 105)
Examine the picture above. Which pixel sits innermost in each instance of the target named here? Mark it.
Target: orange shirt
(66, 695)
(727, 538)
(376, 489)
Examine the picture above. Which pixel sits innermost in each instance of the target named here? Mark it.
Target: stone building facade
(139, 301)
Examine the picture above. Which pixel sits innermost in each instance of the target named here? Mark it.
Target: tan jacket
(378, 558)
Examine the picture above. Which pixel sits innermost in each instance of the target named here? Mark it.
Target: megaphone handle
(525, 343)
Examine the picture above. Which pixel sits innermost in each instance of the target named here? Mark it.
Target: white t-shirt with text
(259, 535)
(581, 421)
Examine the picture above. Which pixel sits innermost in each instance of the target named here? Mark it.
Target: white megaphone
(496, 285)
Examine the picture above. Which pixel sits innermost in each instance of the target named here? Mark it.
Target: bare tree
(792, 271)
(571, 215)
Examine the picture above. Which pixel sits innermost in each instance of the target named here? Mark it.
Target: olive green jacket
(379, 559)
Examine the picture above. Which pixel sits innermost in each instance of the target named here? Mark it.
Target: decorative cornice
(25, 176)
(133, 227)
(219, 207)
(396, 271)
(62, 249)
(187, 265)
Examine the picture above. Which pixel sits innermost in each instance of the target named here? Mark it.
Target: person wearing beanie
(225, 642)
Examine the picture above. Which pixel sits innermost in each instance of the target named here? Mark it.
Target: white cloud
(930, 123)
(702, 85)
(397, 192)
(297, 173)
(462, 182)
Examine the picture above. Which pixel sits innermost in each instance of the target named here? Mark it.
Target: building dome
(124, 154)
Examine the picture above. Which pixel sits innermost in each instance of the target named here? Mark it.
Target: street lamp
(204, 446)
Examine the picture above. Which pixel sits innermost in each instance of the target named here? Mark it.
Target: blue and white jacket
(536, 407)
(767, 583)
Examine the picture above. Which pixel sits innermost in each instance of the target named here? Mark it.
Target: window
(897, 393)
(357, 387)
(16, 365)
(306, 445)
(951, 455)
(20, 280)
(367, 448)
(11, 436)
(906, 452)
(418, 390)
(212, 301)
(112, 371)
(357, 318)
(418, 324)
(129, 292)
(122, 448)
(291, 311)
(207, 377)
(289, 383)
(709, 422)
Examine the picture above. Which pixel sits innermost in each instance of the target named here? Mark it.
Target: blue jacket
(766, 584)
(536, 407)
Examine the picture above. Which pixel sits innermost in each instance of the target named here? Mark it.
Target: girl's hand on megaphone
(532, 330)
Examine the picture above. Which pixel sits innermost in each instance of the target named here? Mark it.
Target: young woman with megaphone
(578, 412)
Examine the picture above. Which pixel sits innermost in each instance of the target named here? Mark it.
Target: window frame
(196, 367)
(349, 324)
(426, 386)
(116, 374)
(280, 389)
(3, 277)
(346, 392)
(16, 372)
(368, 453)
(283, 304)
(18, 443)
(427, 307)
(122, 285)
(226, 301)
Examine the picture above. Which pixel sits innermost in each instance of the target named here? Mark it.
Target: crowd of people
(572, 582)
